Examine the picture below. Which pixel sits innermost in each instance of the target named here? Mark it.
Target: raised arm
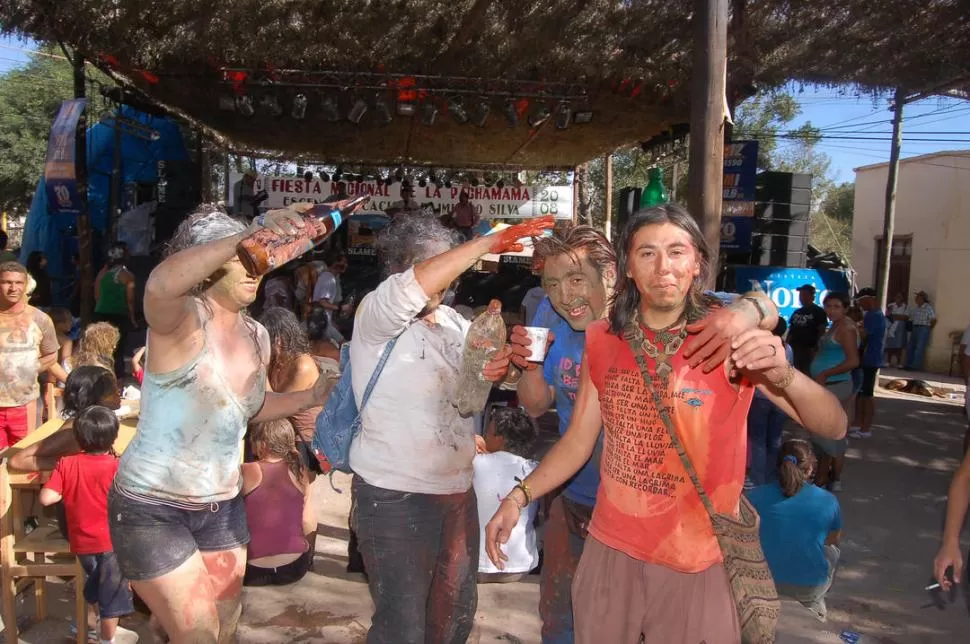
(167, 300)
(760, 355)
(565, 458)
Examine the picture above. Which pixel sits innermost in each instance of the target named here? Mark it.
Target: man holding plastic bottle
(578, 273)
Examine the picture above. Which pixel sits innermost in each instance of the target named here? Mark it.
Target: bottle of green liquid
(654, 194)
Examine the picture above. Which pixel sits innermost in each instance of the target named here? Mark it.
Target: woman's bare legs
(198, 602)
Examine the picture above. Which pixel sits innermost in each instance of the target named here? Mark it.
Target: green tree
(29, 99)
(840, 201)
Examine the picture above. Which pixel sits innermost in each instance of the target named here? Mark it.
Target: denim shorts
(153, 538)
(105, 586)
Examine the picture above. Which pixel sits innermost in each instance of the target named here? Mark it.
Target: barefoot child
(82, 481)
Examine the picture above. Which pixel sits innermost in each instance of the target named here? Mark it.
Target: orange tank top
(647, 506)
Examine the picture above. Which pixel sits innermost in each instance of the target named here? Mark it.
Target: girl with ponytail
(276, 492)
(800, 528)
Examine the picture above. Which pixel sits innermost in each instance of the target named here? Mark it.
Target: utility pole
(889, 221)
(608, 163)
(86, 284)
(706, 171)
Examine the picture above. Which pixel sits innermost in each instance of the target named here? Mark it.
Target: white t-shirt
(494, 478)
(412, 438)
(327, 288)
(531, 302)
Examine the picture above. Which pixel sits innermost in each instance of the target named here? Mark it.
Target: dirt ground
(892, 506)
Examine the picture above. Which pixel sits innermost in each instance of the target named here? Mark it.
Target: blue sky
(837, 111)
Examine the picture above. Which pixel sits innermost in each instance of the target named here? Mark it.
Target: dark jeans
(802, 358)
(562, 549)
(421, 554)
(765, 422)
(281, 576)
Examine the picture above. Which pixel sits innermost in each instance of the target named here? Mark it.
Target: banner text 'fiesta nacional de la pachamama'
(508, 202)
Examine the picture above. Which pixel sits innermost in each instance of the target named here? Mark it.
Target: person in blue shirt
(800, 528)
(874, 329)
(578, 272)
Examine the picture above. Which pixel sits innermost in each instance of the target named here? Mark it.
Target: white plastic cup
(539, 337)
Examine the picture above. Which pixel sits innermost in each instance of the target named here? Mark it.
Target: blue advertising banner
(62, 193)
(740, 170)
(781, 284)
(736, 233)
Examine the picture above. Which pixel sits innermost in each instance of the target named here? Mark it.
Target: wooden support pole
(86, 282)
(889, 220)
(705, 174)
(114, 197)
(608, 189)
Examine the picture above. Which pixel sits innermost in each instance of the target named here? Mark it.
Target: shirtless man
(176, 513)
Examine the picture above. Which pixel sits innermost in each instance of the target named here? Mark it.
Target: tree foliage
(29, 98)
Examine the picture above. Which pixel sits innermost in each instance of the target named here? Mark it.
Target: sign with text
(736, 233)
(63, 197)
(781, 284)
(508, 202)
(740, 170)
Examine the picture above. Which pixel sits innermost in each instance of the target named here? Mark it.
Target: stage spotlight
(244, 105)
(457, 111)
(329, 109)
(481, 113)
(584, 117)
(271, 105)
(299, 107)
(383, 111)
(429, 114)
(540, 116)
(357, 111)
(511, 114)
(564, 115)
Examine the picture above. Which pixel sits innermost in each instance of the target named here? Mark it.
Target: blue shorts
(105, 586)
(152, 538)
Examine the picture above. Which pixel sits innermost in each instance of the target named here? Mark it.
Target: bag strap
(377, 372)
(631, 337)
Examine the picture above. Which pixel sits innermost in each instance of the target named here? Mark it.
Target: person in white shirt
(923, 317)
(503, 462)
(328, 293)
(897, 313)
(415, 513)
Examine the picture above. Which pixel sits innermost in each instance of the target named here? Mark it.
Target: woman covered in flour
(176, 513)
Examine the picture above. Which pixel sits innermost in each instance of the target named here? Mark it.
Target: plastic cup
(539, 337)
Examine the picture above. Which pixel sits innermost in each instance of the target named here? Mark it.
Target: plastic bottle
(654, 193)
(264, 250)
(485, 338)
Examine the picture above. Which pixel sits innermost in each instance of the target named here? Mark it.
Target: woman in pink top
(281, 523)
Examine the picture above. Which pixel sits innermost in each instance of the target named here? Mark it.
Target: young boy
(83, 481)
(504, 456)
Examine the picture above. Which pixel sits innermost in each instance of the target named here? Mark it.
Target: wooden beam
(86, 283)
(705, 174)
(890, 215)
(608, 189)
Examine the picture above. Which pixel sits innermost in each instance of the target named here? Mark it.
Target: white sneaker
(858, 433)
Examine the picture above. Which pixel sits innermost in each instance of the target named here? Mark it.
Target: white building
(931, 239)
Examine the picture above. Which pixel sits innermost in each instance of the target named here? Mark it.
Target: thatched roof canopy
(627, 61)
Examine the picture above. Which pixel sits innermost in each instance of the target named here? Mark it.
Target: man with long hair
(651, 564)
(578, 270)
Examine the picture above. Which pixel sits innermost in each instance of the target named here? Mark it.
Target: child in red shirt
(82, 481)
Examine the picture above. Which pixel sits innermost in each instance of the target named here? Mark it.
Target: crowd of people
(671, 402)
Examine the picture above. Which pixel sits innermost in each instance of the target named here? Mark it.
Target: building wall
(933, 206)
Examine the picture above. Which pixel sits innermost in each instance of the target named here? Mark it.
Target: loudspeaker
(629, 204)
(782, 226)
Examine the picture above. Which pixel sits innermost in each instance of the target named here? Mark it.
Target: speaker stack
(782, 212)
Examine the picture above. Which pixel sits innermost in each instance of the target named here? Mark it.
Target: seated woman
(292, 368)
(800, 528)
(87, 385)
(282, 525)
(98, 344)
(322, 346)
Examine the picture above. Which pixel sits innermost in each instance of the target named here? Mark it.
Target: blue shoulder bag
(340, 421)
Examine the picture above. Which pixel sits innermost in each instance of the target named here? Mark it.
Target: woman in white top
(897, 313)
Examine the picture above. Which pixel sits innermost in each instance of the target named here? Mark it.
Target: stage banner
(781, 284)
(508, 202)
(63, 197)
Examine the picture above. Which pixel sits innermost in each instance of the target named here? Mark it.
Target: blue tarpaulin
(55, 235)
